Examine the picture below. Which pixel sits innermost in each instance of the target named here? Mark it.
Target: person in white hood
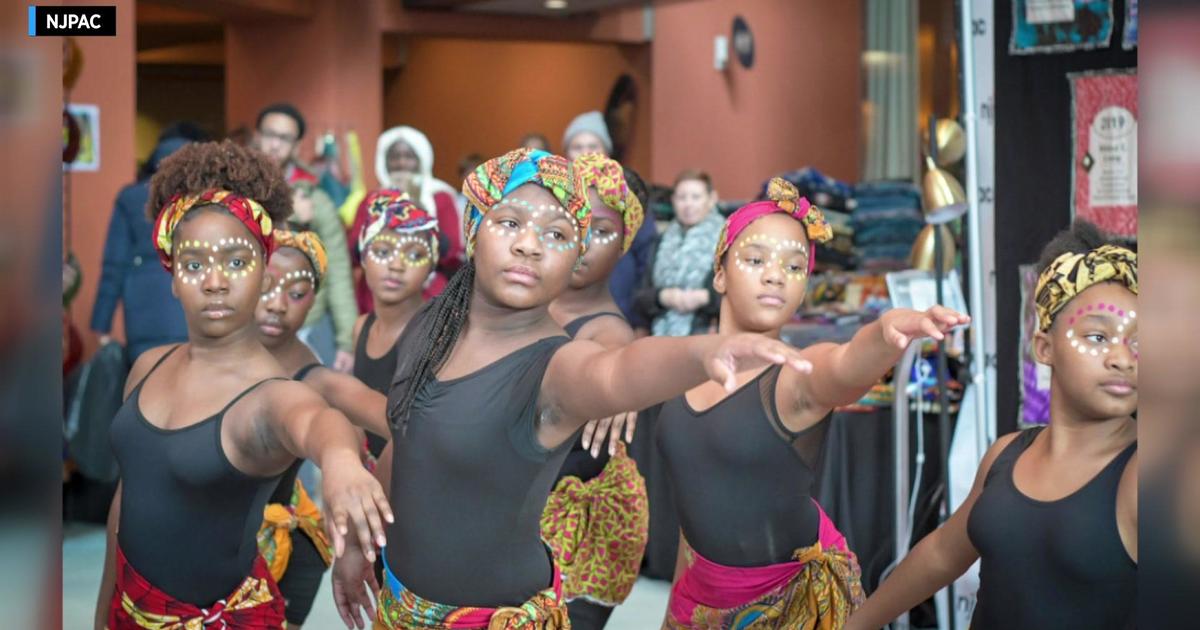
(404, 160)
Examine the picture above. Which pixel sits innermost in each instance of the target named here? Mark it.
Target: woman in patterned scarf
(676, 295)
(487, 399)
(1053, 513)
(757, 551)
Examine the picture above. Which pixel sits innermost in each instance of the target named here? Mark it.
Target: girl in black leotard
(209, 426)
(489, 395)
(742, 465)
(1053, 513)
(398, 246)
(292, 538)
(596, 520)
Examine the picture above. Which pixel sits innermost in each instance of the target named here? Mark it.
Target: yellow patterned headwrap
(1072, 274)
(608, 178)
(310, 245)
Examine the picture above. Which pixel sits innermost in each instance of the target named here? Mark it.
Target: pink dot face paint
(1099, 331)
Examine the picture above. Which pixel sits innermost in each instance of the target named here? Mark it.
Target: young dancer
(209, 426)
(756, 550)
(1053, 512)
(297, 559)
(596, 519)
(398, 246)
(488, 397)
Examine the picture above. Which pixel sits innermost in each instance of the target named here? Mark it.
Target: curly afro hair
(225, 165)
(1080, 238)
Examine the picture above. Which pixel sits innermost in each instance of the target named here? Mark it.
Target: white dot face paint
(225, 255)
(288, 280)
(759, 250)
(1094, 340)
(509, 229)
(387, 247)
(604, 241)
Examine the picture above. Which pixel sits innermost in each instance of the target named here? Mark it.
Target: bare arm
(936, 561)
(307, 427)
(365, 407)
(610, 332)
(585, 381)
(843, 373)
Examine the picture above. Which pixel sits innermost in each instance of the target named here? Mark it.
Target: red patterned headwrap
(782, 196)
(246, 210)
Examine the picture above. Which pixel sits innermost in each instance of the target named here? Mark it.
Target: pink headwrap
(782, 196)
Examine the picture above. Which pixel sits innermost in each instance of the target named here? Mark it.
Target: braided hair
(435, 331)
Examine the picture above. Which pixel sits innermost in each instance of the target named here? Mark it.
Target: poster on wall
(1054, 26)
(1034, 408)
(1130, 38)
(81, 135)
(1104, 113)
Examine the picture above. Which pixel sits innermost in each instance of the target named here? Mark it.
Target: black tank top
(376, 374)
(473, 480)
(287, 482)
(742, 481)
(579, 462)
(1051, 564)
(188, 517)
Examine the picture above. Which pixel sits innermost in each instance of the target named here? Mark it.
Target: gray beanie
(592, 122)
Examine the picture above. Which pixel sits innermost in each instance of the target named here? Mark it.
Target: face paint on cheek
(535, 210)
(385, 256)
(288, 278)
(1124, 329)
(776, 249)
(604, 241)
(194, 277)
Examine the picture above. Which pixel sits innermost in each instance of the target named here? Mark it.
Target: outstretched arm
(307, 427)
(365, 407)
(843, 373)
(585, 381)
(936, 561)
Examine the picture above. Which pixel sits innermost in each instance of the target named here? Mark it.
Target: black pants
(302, 579)
(586, 615)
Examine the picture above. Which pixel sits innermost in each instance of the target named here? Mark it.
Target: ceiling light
(556, 5)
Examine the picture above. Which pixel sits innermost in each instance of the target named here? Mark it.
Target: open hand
(354, 497)
(354, 586)
(738, 353)
(594, 432)
(901, 325)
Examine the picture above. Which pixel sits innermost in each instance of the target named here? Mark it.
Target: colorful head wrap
(247, 210)
(1071, 274)
(496, 178)
(310, 245)
(390, 209)
(608, 178)
(782, 196)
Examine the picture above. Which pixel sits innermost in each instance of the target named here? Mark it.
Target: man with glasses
(278, 132)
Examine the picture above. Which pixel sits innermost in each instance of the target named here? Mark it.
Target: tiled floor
(83, 556)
